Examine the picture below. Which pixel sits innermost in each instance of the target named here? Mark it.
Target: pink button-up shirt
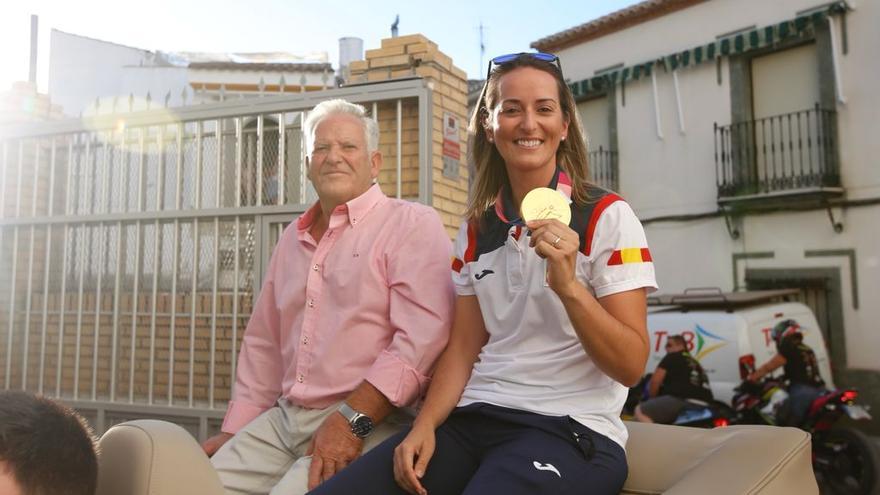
(371, 300)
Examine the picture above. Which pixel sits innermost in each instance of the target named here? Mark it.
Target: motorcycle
(845, 460)
(697, 413)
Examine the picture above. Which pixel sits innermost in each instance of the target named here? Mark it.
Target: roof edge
(611, 23)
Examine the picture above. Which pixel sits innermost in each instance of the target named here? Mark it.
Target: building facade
(740, 130)
(89, 76)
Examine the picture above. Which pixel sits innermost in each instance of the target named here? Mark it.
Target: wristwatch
(361, 424)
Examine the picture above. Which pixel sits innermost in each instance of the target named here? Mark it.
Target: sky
(295, 26)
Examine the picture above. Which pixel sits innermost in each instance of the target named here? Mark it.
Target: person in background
(45, 448)
(354, 311)
(678, 377)
(801, 371)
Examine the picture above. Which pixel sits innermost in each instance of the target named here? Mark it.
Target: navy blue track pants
(486, 449)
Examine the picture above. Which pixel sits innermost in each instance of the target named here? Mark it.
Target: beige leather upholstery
(149, 457)
(762, 460)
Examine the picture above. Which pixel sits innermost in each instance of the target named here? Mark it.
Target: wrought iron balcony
(603, 168)
(778, 158)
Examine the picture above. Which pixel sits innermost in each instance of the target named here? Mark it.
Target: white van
(729, 333)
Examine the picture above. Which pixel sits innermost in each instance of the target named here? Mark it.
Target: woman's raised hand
(558, 244)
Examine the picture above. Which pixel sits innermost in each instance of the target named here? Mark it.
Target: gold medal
(544, 203)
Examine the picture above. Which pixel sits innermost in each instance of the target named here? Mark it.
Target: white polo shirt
(533, 360)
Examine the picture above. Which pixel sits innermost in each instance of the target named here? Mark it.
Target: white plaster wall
(83, 69)
(789, 235)
(857, 118)
(691, 254)
(675, 174)
(157, 81)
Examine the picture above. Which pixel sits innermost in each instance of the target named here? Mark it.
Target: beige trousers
(267, 456)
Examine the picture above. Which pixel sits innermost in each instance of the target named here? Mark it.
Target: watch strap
(349, 412)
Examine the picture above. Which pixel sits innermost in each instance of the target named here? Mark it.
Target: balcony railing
(789, 154)
(603, 168)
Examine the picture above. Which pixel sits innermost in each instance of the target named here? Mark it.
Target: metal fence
(133, 245)
(788, 152)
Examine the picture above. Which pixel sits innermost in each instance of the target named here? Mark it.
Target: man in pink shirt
(355, 308)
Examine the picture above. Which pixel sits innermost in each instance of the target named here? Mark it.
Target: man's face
(340, 167)
(8, 483)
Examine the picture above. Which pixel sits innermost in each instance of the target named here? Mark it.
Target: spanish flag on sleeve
(629, 255)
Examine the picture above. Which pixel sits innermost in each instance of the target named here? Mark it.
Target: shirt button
(300, 378)
(315, 268)
(354, 220)
(311, 303)
(305, 340)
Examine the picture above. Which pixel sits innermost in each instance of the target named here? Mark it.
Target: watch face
(362, 426)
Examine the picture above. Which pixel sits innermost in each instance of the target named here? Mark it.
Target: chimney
(350, 49)
(32, 74)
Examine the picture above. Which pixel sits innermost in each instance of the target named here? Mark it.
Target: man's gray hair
(335, 107)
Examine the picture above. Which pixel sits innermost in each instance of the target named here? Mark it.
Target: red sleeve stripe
(457, 265)
(615, 259)
(470, 254)
(603, 203)
(646, 255)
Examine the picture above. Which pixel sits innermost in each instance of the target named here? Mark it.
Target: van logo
(706, 343)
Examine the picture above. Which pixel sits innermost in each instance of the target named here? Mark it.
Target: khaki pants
(268, 455)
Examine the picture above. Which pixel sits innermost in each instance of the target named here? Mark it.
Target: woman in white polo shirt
(550, 318)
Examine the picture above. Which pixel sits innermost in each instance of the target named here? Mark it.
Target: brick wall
(23, 104)
(417, 56)
(81, 325)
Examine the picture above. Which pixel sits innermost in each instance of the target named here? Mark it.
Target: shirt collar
(504, 203)
(352, 211)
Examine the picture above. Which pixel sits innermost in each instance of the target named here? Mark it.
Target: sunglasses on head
(510, 57)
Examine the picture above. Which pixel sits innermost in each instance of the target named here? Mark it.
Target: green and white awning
(802, 26)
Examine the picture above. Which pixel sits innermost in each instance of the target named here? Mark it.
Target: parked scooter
(697, 413)
(844, 459)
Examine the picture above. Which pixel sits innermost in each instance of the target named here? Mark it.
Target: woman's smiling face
(527, 124)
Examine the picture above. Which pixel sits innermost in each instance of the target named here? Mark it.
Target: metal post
(61, 316)
(303, 159)
(280, 174)
(135, 298)
(195, 272)
(82, 273)
(237, 249)
(193, 308)
(102, 248)
(30, 276)
(239, 135)
(259, 162)
(47, 256)
(213, 343)
(11, 329)
(156, 268)
(399, 147)
(174, 267)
